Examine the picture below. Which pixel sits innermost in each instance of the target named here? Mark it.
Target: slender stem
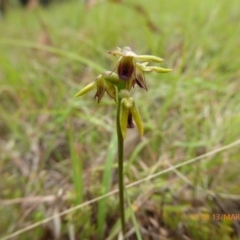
(120, 168)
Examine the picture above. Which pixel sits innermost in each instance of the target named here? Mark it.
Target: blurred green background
(57, 151)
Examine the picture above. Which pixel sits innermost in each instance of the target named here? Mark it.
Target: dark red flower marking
(126, 68)
(130, 121)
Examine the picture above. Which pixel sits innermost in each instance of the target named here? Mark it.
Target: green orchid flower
(104, 83)
(128, 113)
(130, 70)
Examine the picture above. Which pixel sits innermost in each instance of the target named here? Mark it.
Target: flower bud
(128, 113)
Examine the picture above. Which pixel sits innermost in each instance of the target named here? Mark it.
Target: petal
(116, 52)
(110, 89)
(100, 90)
(137, 119)
(86, 89)
(160, 70)
(143, 67)
(125, 118)
(148, 58)
(124, 111)
(111, 77)
(140, 80)
(127, 52)
(126, 68)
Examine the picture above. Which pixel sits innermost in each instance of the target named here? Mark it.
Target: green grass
(55, 145)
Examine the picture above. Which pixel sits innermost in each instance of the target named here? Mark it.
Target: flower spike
(130, 72)
(131, 69)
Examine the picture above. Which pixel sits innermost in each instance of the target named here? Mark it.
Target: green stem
(120, 168)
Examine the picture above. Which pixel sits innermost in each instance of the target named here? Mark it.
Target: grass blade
(134, 220)
(106, 183)
(76, 167)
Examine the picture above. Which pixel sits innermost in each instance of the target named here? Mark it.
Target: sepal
(86, 89)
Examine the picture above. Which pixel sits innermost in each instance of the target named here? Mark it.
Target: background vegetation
(57, 152)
